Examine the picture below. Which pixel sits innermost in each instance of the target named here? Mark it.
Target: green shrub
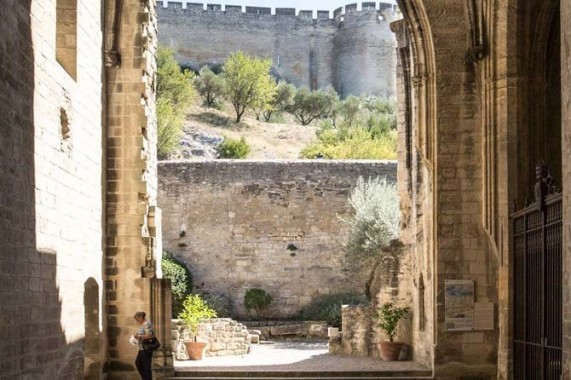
(327, 307)
(194, 310)
(221, 304)
(230, 148)
(375, 218)
(257, 299)
(389, 316)
(181, 281)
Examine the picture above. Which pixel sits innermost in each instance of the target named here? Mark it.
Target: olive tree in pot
(195, 309)
(389, 316)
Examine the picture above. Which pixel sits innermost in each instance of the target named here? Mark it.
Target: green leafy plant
(389, 316)
(174, 94)
(194, 310)
(181, 281)
(220, 303)
(230, 148)
(327, 307)
(257, 299)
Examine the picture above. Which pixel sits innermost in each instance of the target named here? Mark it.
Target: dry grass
(267, 140)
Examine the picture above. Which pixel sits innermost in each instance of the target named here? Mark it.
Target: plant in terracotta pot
(195, 309)
(389, 316)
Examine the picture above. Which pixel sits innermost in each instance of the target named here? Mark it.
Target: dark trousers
(144, 363)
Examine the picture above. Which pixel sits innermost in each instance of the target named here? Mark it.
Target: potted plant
(389, 316)
(194, 310)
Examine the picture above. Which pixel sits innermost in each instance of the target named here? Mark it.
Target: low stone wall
(223, 335)
(280, 329)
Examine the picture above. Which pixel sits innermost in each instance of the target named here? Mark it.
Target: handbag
(151, 344)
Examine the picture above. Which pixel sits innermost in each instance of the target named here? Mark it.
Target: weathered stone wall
(131, 255)
(441, 144)
(223, 335)
(268, 224)
(566, 165)
(353, 51)
(51, 196)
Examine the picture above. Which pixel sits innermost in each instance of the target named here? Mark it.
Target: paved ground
(292, 356)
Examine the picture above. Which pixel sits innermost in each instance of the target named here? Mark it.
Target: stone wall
(269, 224)
(51, 198)
(223, 335)
(353, 51)
(566, 164)
(131, 254)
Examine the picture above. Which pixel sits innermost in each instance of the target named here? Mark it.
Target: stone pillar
(130, 256)
(161, 311)
(566, 181)
(356, 330)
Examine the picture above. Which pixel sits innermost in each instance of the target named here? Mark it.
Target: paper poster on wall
(459, 305)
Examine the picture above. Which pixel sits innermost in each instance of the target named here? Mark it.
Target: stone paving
(293, 356)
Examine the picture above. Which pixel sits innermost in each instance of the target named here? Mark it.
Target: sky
(298, 4)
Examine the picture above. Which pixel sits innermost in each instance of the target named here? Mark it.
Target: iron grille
(537, 284)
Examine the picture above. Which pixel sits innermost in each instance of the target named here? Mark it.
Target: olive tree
(247, 81)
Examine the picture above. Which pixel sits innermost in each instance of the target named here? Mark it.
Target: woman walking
(144, 357)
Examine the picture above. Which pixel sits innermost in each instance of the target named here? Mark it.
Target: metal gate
(537, 285)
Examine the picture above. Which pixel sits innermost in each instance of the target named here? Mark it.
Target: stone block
(285, 330)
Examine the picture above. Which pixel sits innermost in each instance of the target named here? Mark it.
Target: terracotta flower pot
(195, 350)
(390, 351)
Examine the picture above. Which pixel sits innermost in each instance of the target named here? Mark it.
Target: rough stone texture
(478, 112)
(131, 184)
(566, 183)
(355, 328)
(51, 207)
(58, 313)
(262, 224)
(354, 52)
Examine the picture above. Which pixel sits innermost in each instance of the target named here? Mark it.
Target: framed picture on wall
(459, 305)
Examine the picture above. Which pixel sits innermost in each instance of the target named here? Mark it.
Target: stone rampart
(354, 50)
(269, 224)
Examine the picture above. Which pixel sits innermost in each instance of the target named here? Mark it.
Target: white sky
(298, 4)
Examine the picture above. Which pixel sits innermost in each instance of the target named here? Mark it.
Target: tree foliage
(247, 81)
(375, 219)
(310, 105)
(360, 128)
(181, 281)
(281, 100)
(210, 86)
(174, 93)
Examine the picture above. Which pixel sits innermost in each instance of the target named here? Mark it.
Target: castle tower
(364, 51)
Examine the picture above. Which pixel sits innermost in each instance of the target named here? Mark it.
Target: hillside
(205, 128)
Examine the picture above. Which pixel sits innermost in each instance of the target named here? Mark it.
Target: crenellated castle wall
(351, 48)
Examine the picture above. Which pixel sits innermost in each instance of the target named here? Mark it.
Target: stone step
(306, 375)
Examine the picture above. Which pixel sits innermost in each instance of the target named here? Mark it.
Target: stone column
(161, 312)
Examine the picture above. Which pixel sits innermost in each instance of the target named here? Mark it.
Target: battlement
(305, 14)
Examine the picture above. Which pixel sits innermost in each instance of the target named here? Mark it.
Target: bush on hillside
(230, 148)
